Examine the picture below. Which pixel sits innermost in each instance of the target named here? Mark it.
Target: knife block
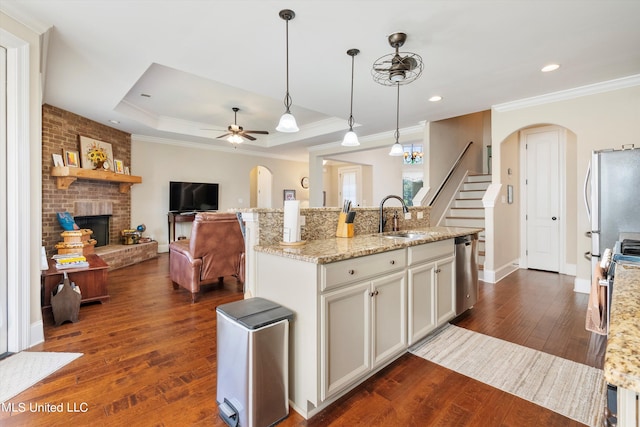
(344, 229)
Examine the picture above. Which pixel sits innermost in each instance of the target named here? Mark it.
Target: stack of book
(76, 260)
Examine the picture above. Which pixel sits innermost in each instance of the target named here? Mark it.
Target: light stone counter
(325, 251)
(622, 358)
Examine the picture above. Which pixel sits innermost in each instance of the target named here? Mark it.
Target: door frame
(562, 194)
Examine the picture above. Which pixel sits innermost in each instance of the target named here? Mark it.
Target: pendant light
(287, 121)
(396, 148)
(350, 138)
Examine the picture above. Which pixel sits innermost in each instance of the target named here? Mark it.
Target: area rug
(571, 389)
(21, 371)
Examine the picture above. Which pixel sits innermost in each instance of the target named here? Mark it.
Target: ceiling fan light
(396, 149)
(287, 124)
(396, 76)
(235, 139)
(350, 139)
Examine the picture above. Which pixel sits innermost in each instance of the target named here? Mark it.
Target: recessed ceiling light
(550, 67)
(435, 98)
(115, 122)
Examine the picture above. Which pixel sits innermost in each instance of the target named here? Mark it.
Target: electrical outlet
(303, 220)
(420, 215)
(407, 215)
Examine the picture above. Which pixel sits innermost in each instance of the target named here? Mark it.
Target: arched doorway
(261, 182)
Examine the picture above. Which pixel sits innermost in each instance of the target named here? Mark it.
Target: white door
(3, 203)
(350, 185)
(264, 185)
(543, 198)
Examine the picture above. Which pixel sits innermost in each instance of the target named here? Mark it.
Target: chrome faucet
(405, 209)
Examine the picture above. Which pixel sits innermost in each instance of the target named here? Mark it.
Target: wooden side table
(92, 280)
(177, 217)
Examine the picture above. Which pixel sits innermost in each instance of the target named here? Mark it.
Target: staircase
(467, 209)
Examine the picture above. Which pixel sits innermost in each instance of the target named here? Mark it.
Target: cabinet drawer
(429, 251)
(351, 270)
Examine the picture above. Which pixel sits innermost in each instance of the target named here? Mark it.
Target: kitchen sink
(405, 235)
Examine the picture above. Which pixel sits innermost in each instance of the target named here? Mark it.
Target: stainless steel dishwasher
(466, 272)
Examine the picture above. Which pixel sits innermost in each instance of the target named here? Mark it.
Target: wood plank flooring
(150, 360)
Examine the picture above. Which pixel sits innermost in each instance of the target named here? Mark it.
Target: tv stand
(178, 217)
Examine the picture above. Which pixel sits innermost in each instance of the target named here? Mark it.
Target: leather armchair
(214, 250)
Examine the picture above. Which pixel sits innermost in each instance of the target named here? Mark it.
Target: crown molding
(564, 95)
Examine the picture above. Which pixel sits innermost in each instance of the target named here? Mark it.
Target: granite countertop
(337, 249)
(622, 358)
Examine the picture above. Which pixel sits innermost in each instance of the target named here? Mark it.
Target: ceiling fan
(399, 67)
(235, 133)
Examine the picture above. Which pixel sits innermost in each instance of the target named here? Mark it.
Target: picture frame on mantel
(71, 158)
(118, 166)
(289, 194)
(95, 154)
(57, 160)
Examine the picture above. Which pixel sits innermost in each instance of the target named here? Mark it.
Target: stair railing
(451, 171)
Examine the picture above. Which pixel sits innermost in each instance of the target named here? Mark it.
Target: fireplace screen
(99, 224)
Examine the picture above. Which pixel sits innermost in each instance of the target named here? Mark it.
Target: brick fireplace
(61, 131)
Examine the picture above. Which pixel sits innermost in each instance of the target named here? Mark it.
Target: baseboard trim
(494, 276)
(36, 333)
(581, 285)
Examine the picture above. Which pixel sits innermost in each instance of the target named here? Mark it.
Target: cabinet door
(421, 314)
(389, 317)
(345, 332)
(445, 290)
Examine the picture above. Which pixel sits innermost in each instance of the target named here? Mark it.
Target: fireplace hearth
(99, 224)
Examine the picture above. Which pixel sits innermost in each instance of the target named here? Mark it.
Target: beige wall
(160, 161)
(597, 121)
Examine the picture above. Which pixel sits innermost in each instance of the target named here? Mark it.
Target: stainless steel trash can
(253, 362)
(466, 272)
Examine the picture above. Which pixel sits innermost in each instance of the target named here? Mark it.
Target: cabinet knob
(393, 261)
(351, 272)
(374, 293)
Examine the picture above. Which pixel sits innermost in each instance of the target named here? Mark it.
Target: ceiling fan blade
(217, 130)
(249, 137)
(261, 132)
(222, 136)
(409, 62)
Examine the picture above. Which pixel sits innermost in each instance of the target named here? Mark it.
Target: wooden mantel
(66, 175)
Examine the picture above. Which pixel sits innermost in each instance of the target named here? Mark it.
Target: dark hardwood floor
(150, 360)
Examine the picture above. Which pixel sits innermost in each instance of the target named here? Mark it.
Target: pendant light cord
(287, 97)
(351, 107)
(397, 133)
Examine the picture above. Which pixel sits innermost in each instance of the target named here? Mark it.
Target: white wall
(161, 161)
(599, 120)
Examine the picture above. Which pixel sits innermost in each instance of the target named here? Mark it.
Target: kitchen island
(359, 303)
(622, 358)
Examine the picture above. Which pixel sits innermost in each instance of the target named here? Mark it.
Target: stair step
(468, 203)
(471, 194)
(480, 266)
(476, 186)
(479, 178)
(467, 212)
(464, 222)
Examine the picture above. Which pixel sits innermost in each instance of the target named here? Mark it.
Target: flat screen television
(192, 196)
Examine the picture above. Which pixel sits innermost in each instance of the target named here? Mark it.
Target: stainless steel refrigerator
(612, 198)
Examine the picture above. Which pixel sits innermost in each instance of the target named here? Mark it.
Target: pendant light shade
(396, 148)
(350, 138)
(287, 121)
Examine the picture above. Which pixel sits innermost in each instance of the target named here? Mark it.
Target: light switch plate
(407, 215)
(303, 220)
(420, 215)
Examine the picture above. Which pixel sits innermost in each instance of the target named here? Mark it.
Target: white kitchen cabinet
(445, 290)
(363, 328)
(431, 284)
(355, 316)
